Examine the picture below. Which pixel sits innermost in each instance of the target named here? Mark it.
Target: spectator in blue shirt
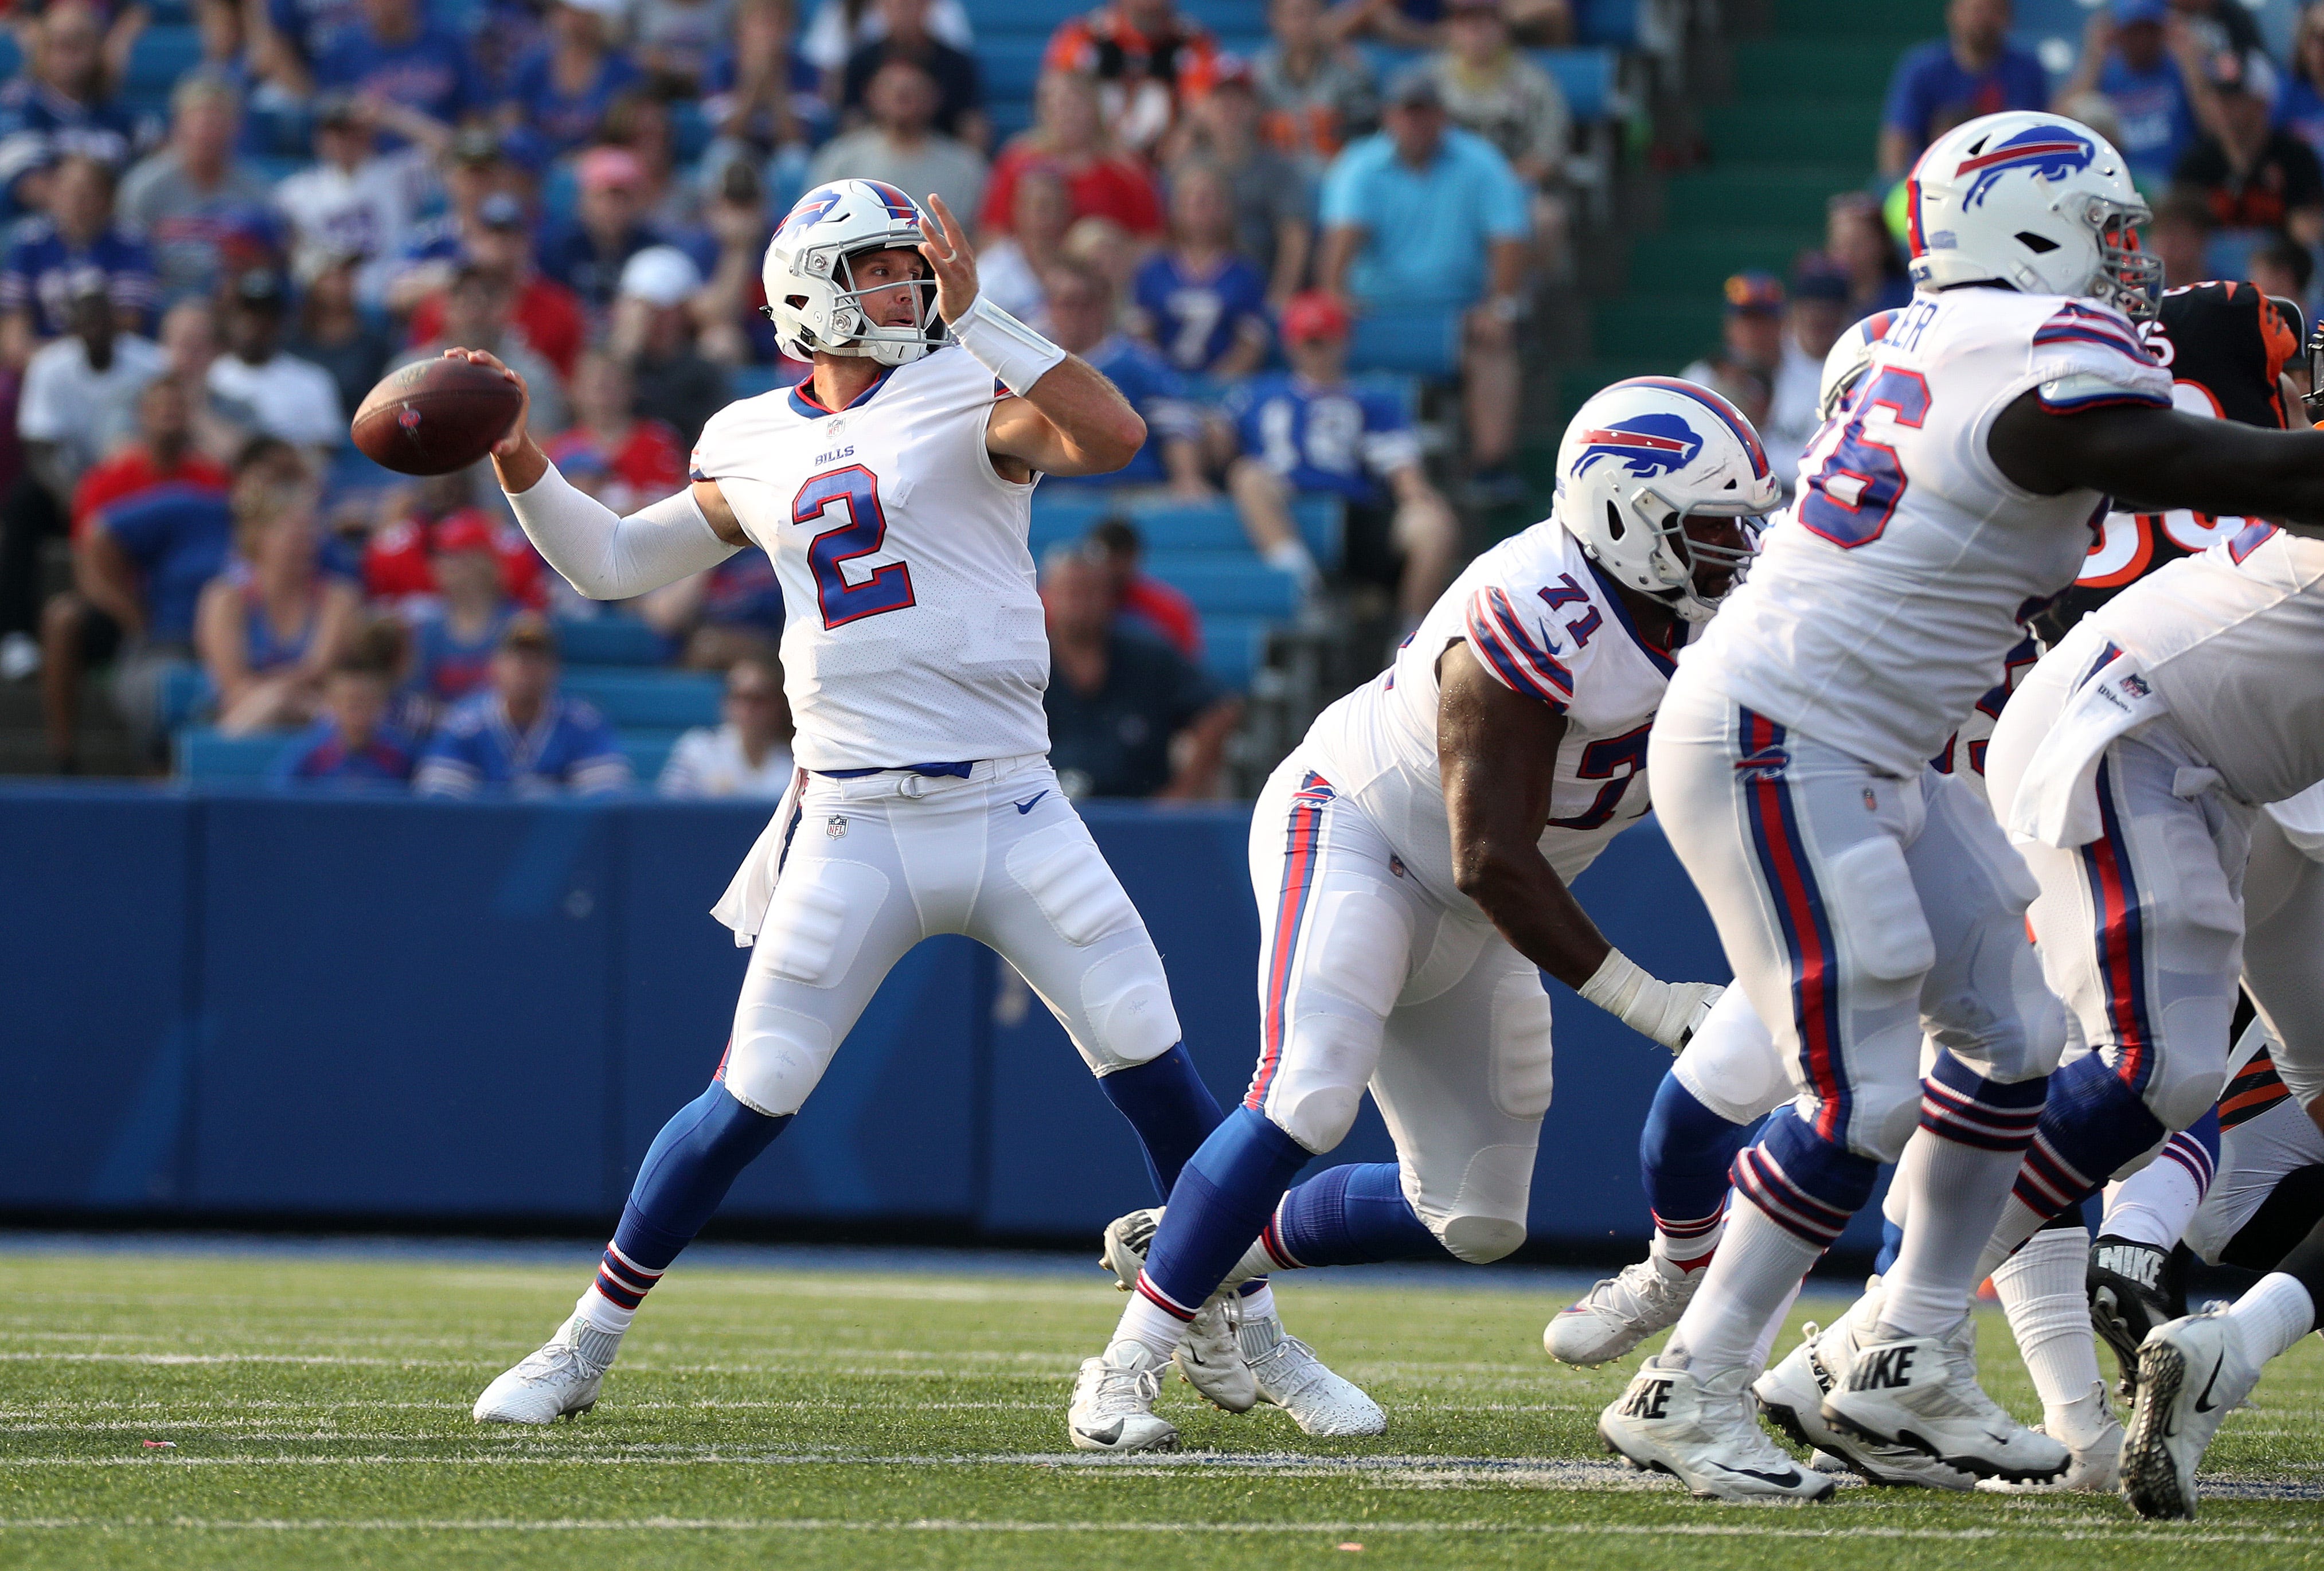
(586, 255)
(1422, 215)
(398, 58)
(561, 90)
(298, 35)
(1972, 70)
(48, 258)
(523, 736)
(2299, 109)
(352, 744)
(2148, 66)
(1120, 701)
(61, 105)
(1203, 305)
(1081, 321)
(1313, 433)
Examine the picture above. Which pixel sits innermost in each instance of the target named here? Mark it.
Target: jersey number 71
(1854, 492)
(856, 492)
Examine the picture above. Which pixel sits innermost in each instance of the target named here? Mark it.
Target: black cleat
(2134, 1288)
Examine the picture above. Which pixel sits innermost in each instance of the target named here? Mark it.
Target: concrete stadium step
(1764, 196)
(1807, 134)
(1843, 67)
(1690, 259)
(1865, 20)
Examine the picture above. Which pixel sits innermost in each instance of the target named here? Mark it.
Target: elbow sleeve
(611, 558)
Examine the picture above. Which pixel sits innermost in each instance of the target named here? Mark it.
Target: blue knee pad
(1354, 1216)
(1686, 1151)
(1170, 1108)
(688, 1170)
(1222, 1201)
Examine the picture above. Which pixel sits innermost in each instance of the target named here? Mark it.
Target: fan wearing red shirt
(396, 566)
(1147, 59)
(1161, 609)
(163, 454)
(1069, 135)
(643, 459)
(546, 314)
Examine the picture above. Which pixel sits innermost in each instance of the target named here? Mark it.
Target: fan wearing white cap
(892, 488)
(1865, 902)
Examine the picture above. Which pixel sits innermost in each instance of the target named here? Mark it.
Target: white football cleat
(1113, 1401)
(1620, 1313)
(1291, 1377)
(1210, 1356)
(1922, 1392)
(1702, 1433)
(1127, 1239)
(561, 1378)
(2095, 1469)
(2191, 1373)
(1791, 1396)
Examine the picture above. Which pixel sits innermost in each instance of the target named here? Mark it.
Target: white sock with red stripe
(1687, 1247)
(1147, 1321)
(612, 1299)
(1751, 1280)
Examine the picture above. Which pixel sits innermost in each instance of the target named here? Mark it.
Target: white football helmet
(1844, 362)
(2036, 202)
(1641, 456)
(811, 294)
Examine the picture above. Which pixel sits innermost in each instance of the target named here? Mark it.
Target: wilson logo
(1650, 1401)
(1885, 1370)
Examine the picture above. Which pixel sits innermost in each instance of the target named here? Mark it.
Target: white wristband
(1668, 1011)
(1004, 345)
(1614, 986)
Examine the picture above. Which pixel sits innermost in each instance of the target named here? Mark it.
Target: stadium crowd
(192, 307)
(2225, 141)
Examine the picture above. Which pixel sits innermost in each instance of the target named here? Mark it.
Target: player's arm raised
(2154, 459)
(1496, 751)
(599, 552)
(1067, 418)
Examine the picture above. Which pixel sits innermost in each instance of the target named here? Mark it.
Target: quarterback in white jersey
(1862, 905)
(1411, 859)
(892, 490)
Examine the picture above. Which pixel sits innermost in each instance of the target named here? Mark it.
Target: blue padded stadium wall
(247, 1004)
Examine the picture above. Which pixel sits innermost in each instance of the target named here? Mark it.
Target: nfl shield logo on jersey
(1648, 444)
(835, 825)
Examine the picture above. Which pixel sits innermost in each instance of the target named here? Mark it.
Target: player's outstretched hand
(951, 260)
(514, 440)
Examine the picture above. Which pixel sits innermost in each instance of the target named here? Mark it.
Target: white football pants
(1366, 979)
(1859, 910)
(870, 866)
(2141, 930)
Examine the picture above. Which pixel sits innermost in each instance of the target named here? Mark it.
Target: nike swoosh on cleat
(1026, 805)
(2204, 1404)
(1783, 1480)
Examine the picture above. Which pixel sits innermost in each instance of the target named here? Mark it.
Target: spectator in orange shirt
(1147, 59)
(1069, 133)
(1316, 93)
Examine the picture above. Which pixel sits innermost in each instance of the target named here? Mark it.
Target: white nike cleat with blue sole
(1704, 1433)
(2191, 1374)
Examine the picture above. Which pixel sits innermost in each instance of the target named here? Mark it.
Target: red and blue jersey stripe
(2121, 939)
(1519, 658)
(1302, 847)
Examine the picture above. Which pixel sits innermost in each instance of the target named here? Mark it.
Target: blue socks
(2092, 1125)
(1352, 1216)
(1221, 1200)
(688, 1170)
(1173, 1112)
(1685, 1152)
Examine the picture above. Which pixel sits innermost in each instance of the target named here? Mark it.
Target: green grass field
(315, 1408)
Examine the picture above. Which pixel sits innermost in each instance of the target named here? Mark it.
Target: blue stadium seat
(1222, 583)
(1171, 525)
(1586, 78)
(351, 471)
(1607, 22)
(633, 698)
(1008, 67)
(12, 56)
(186, 695)
(201, 754)
(1235, 647)
(994, 19)
(749, 381)
(646, 752)
(161, 55)
(1423, 344)
(609, 640)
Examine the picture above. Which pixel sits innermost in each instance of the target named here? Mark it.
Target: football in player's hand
(435, 416)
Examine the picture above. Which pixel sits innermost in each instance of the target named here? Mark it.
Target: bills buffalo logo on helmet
(2046, 152)
(1648, 444)
(812, 207)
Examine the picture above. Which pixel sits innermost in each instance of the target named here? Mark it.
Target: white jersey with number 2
(1885, 600)
(912, 631)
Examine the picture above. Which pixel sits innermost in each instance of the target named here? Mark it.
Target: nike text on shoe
(1620, 1313)
(1210, 1357)
(1918, 1391)
(561, 1378)
(1126, 1240)
(1792, 1394)
(1113, 1403)
(1291, 1377)
(2191, 1373)
(2131, 1293)
(1702, 1433)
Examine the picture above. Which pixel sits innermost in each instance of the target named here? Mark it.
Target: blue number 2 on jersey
(1854, 492)
(856, 491)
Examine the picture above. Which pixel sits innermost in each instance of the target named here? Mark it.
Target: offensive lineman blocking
(893, 492)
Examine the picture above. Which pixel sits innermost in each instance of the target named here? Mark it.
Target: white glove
(1669, 1011)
